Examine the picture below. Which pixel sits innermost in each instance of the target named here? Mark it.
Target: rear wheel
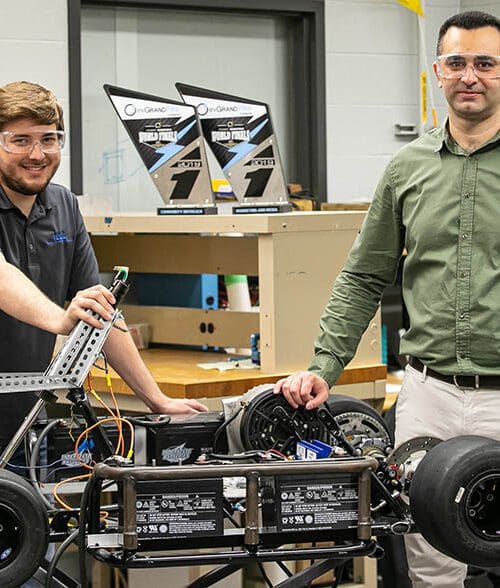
(455, 499)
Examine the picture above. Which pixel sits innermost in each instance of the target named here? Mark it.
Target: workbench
(296, 257)
(178, 376)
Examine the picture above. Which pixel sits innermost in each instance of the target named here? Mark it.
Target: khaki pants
(429, 407)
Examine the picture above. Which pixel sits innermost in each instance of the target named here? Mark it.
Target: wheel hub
(482, 506)
(10, 535)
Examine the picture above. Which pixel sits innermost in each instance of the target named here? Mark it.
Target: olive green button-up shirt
(443, 205)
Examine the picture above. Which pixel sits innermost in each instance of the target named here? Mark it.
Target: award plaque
(169, 140)
(240, 134)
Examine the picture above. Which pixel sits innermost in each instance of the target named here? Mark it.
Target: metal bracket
(70, 366)
(33, 382)
(106, 540)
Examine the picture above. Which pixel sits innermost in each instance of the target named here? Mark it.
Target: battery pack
(327, 502)
(185, 438)
(169, 510)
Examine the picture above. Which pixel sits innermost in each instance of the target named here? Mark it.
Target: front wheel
(24, 532)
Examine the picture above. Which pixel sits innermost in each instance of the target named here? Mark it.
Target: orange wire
(107, 420)
(120, 445)
(103, 514)
(59, 484)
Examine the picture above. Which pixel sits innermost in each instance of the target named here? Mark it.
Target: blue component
(306, 450)
(324, 448)
(313, 450)
(86, 445)
(182, 290)
(255, 348)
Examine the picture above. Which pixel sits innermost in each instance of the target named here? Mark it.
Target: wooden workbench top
(178, 375)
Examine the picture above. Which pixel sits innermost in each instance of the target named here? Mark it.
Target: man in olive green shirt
(440, 199)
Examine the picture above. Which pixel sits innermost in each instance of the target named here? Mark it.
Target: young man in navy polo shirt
(42, 233)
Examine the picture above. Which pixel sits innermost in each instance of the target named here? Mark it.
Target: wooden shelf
(296, 257)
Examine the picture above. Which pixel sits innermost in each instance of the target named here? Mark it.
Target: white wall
(371, 65)
(34, 47)
(491, 6)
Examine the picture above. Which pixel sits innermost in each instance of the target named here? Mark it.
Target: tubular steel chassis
(69, 369)
(253, 544)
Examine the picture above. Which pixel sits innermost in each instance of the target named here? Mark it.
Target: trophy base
(186, 210)
(270, 208)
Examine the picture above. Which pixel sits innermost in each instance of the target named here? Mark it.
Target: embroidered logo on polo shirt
(58, 238)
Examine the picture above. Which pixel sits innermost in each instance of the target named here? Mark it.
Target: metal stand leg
(214, 576)
(305, 577)
(59, 579)
(19, 435)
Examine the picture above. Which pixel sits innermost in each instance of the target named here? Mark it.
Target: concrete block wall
(34, 47)
(491, 6)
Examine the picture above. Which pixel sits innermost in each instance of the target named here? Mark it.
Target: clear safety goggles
(24, 143)
(453, 66)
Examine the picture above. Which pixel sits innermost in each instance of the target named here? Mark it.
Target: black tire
(390, 420)
(455, 499)
(24, 531)
(339, 404)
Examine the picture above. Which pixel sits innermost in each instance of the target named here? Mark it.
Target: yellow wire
(120, 446)
(107, 420)
(121, 440)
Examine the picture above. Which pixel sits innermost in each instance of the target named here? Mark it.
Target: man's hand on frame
(97, 298)
(303, 389)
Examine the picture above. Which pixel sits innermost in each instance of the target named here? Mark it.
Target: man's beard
(21, 187)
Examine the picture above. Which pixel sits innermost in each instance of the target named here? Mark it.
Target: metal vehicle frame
(122, 548)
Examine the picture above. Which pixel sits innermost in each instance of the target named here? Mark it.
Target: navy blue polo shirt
(52, 248)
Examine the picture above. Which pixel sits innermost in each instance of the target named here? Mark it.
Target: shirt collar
(44, 199)
(5, 203)
(441, 138)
